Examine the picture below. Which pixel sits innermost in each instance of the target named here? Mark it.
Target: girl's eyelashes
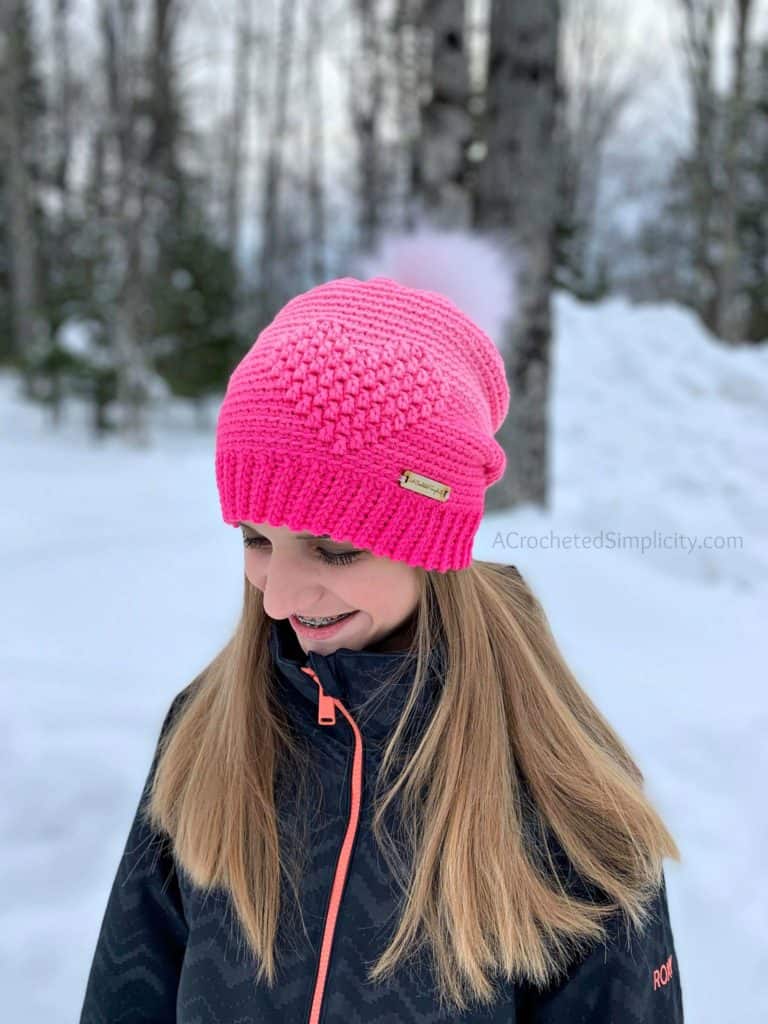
(329, 557)
(252, 542)
(342, 558)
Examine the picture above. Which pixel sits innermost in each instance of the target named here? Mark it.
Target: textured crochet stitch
(353, 384)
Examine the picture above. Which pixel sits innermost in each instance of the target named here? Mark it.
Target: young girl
(387, 799)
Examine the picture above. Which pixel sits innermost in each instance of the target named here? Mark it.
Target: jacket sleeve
(632, 978)
(135, 971)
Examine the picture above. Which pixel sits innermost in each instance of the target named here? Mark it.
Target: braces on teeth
(323, 621)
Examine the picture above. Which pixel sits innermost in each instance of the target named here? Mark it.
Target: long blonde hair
(515, 751)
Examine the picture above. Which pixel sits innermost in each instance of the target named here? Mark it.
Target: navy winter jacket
(167, 952)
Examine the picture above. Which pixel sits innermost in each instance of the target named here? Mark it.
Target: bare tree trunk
(270, 259)
(445, 118)
(367, 95)
(754, 228)
(406, 40)
(240, 110)
(30, 330)
(599, 87)
(315, 187)
(516, 199)
(62, 76)
(60, 220)
(161, 156)
(700, 19)
(141, 133)
(118, 23)
(97, 218)
(729, 315)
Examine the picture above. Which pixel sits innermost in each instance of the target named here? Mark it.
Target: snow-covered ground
(120, 581)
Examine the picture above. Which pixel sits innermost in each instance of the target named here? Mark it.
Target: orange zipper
(326, 715)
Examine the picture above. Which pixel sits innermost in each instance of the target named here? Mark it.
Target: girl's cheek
(253, 572)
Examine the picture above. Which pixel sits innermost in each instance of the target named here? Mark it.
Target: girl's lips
(324, 631)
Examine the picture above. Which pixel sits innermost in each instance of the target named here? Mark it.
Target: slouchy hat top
(366, 410)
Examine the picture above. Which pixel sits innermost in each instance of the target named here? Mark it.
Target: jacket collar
(358, 679)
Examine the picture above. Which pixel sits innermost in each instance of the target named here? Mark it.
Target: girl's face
(315, 577)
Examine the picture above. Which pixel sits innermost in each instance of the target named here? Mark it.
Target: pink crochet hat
(366, 410)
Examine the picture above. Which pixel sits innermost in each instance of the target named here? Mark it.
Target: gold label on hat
(423, 485)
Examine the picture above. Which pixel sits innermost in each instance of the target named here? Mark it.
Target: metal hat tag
(423, 485)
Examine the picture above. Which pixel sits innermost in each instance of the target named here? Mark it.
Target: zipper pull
(326, 708)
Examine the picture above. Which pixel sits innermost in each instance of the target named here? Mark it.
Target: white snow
(120, 582)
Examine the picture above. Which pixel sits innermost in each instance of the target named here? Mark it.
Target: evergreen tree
(194, 347)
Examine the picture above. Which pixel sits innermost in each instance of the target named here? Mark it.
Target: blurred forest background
(174, 170)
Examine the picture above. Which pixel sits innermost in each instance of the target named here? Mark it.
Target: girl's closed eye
(329, 557)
